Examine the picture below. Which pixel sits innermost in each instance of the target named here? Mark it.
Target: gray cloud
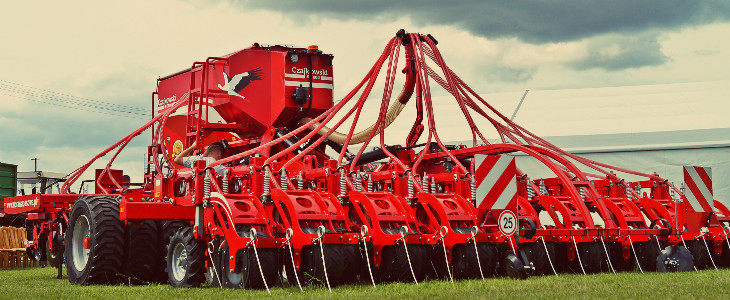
(530, 21)
(613, 52)
(54, 123)
(499, 73)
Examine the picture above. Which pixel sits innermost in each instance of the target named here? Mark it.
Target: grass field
(41, 283)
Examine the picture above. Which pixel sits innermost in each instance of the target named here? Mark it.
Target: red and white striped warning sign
(496, 181)
(699, 188)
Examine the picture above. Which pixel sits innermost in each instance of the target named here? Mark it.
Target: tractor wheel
(185, 259)
(539, 258)
(167, 228)
(55, 258)
(675, 259)
(311, 270)
(394, 264)
(699, 252)
(94, 241)
(141, 257)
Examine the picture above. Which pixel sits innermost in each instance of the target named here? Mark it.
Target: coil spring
(425, 183)
(473, 186)
(206, 185)
(267, 183)
(370, 183)
(284, 179)
(224, 186)
(410, 184)
(583, 193)
(433, 186)
(543, 188)
(530, 190)
(300, 181)
(628, 192)
(638, 188)
(343, 189)
(672, 192)
(358, 184)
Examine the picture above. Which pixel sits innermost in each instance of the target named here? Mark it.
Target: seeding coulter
(289, 202)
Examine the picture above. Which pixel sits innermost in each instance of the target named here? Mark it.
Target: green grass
(41, 283)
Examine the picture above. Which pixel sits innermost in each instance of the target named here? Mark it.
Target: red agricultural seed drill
(288, 202)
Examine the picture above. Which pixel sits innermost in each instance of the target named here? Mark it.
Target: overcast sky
(58, 55)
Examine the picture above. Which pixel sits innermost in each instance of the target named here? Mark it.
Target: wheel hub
(81, 241)
(179, 262)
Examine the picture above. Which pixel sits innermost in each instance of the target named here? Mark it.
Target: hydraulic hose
(393, 111)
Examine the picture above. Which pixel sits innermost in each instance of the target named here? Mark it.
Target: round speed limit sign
(507, 222)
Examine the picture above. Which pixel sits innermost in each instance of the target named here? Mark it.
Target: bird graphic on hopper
(234, 85)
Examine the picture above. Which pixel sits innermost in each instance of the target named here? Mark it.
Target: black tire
(539, 258)
(617, 257)
(724, 259)
(464, 262)
(436, 266)
(96, 217)
(247, 274)
(648, 252)
(185, 259)
(355, 262)
(394, 265)
(167, 228)
(561, 262)
(699, 252)
(311, 271)
(359, 268)
(141, 257)
(488, 258)
(592, 257)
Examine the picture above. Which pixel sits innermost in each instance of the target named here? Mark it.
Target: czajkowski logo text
(305, 71)
(21, 204)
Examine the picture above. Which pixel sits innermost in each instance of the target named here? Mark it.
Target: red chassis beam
(38, 203)
(155, 211)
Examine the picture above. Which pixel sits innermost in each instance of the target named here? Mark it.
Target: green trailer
(8, 183)
(8, 180)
